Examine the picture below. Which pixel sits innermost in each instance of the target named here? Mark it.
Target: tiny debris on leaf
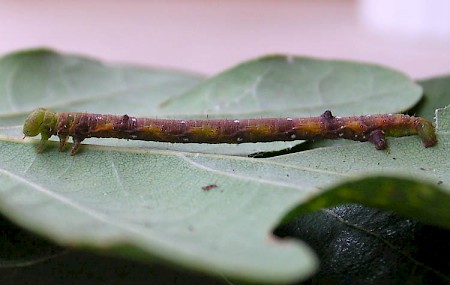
(209, 187)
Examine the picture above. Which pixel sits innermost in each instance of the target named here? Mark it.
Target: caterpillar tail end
(429, 142)
(426, 132)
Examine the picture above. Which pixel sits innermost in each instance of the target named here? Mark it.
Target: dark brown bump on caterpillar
(121, 124)
(124, 122)
(329, 124)
(327, 115)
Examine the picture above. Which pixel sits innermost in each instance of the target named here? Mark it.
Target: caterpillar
(372, 128)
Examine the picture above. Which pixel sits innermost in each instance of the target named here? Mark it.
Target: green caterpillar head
(33, 124)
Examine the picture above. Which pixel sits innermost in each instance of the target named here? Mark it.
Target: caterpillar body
(372, 128)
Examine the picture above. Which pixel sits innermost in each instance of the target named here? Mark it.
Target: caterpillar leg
(377, 137)
(62, 142)
(76, 145)
(41, 144)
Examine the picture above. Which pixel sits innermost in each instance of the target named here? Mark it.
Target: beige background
(207, 36)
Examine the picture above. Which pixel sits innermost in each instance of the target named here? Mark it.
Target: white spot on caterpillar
(341, 135)
(133, 119)
(289, 119)
(293, 136)
(99, 117)
(239, 139)
(183, 122)
(185, 139)
(236, 121)
(133, 137)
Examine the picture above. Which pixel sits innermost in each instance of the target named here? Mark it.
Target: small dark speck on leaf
(440, 182)
(422, 168)
(394, 158)
(209, 187)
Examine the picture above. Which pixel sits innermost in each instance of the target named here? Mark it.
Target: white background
(207, 36)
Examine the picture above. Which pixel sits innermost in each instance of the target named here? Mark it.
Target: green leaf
(442, 119)
(138, 200)
(43, 78)
(152, 204)
(414, 199)
(436, 96)
(297, 87)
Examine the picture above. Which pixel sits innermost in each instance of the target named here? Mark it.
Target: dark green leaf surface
(19, 248)
(436, 95)
(361, 245)
(423, 201)
(75, 267)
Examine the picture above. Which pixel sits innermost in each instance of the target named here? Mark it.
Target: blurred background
(207, 36)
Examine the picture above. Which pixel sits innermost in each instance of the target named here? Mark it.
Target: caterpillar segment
(79, 126)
